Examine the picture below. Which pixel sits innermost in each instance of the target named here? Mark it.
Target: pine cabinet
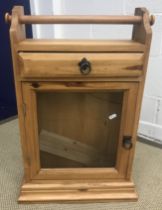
(78, 106)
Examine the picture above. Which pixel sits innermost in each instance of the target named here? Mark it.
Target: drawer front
(56, 65)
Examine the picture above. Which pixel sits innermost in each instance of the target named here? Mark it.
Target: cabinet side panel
(17, 33)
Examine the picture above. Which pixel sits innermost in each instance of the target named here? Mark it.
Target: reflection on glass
(79, 129)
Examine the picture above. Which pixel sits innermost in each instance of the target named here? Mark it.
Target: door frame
(126, 129)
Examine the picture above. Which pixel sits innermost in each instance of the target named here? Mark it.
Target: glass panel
(78, 129)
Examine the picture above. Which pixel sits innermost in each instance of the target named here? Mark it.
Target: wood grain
(46, 65)
(68, 148)
(17, 34)
(78, 192)
(78, 19)
(146, 37)
(79, 45)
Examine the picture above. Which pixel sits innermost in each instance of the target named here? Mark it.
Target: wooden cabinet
(78, 105)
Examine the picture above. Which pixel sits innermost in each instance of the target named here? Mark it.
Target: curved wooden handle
(152, 20)
(8, 17)
(58, 19)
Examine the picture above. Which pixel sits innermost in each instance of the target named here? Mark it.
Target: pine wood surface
(47, 66)
(61, 45)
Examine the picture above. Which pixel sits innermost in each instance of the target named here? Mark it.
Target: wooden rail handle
(58, 19)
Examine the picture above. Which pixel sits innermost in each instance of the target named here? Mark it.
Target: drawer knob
(85, 66)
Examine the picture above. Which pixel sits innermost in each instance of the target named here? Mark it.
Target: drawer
(63, 65)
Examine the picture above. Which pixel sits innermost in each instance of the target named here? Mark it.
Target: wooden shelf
(80, 45)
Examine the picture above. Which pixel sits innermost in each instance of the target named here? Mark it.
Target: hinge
(24, 109)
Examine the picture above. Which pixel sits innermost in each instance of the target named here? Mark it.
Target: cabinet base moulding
(71, 191)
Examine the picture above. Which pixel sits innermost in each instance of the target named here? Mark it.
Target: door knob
(127, 142)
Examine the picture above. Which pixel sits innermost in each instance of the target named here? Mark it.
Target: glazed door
(79, 130)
